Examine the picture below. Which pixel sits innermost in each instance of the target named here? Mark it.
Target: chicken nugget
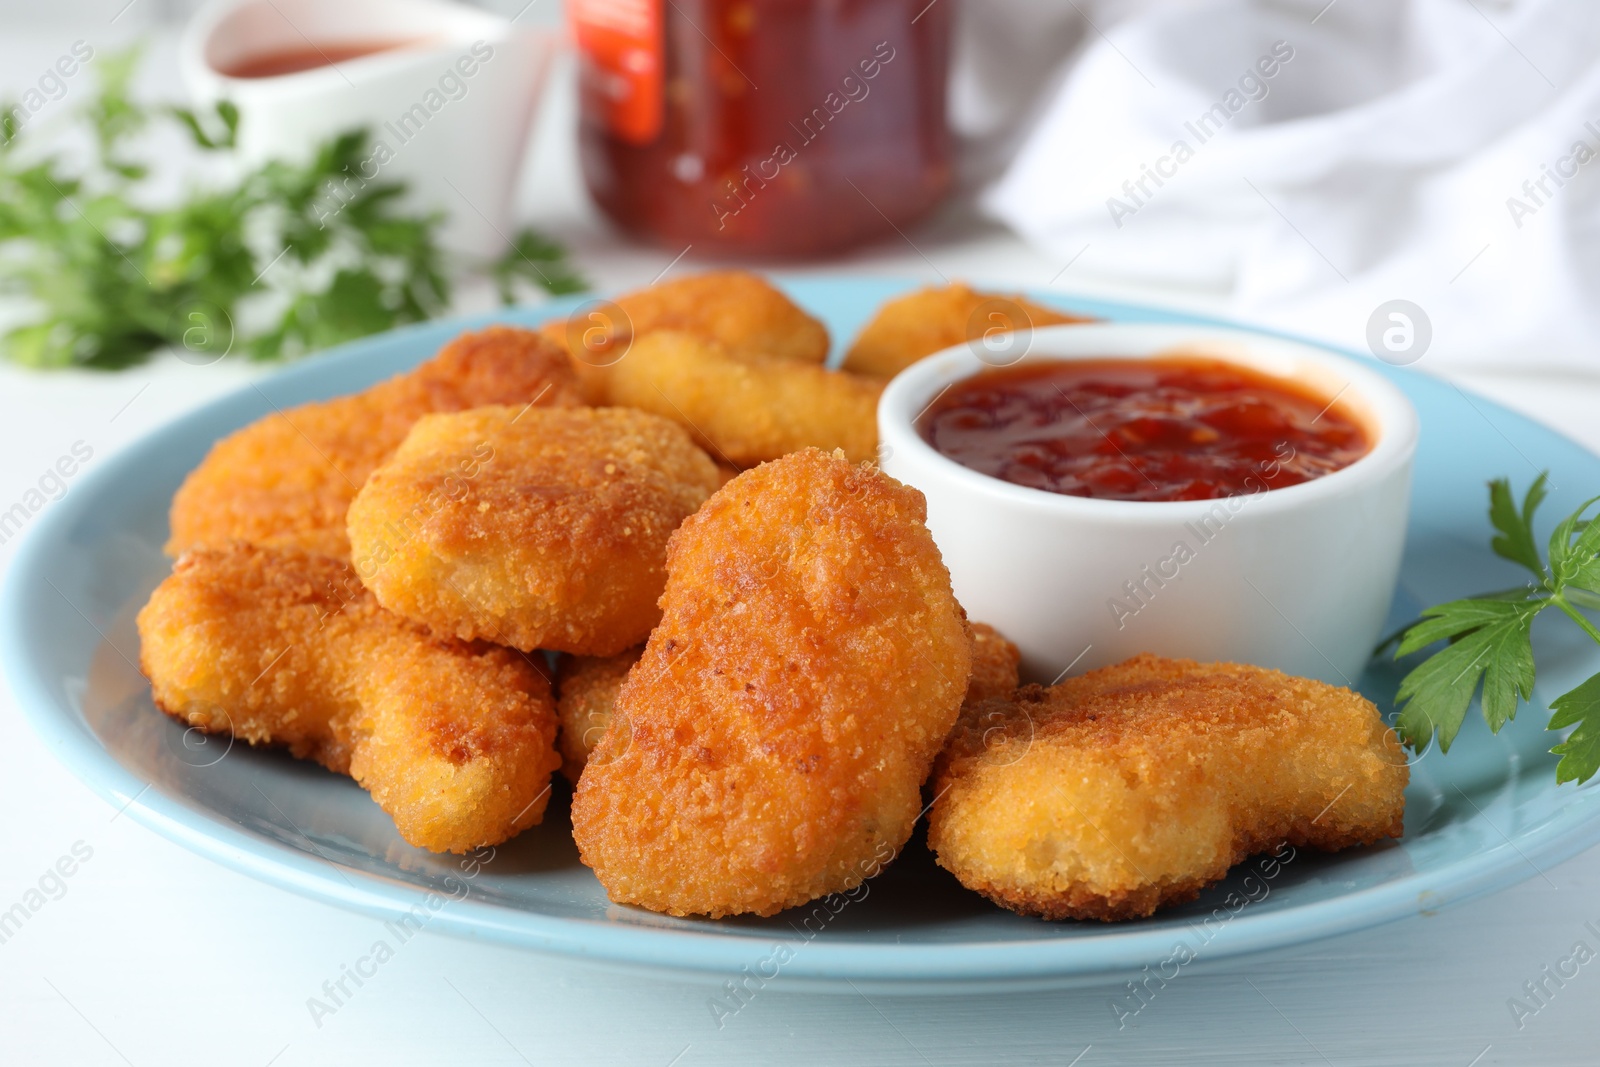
(916, 325)
(1133, 787)
(995, 662)
(771, 744)
(746, 411)
(287, 479)
(278, 646)
(742, 312)
(586, 698)
(537, 528)
(587, 688)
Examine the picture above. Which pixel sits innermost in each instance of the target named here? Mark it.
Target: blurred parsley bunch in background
(258, 266)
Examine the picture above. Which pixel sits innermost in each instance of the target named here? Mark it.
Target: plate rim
(927, 967)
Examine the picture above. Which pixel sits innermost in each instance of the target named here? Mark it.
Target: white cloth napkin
(1442, 152)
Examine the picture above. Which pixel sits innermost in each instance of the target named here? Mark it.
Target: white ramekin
(1298, 578)
(449, 114)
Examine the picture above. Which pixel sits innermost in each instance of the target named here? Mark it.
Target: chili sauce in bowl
(1163, 429)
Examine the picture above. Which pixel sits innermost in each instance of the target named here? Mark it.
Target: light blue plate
(1487, 815)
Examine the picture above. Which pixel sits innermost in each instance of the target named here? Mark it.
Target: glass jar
(786, 128)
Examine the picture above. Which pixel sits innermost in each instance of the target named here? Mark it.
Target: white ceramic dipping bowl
(448, 113)
(1298, 578)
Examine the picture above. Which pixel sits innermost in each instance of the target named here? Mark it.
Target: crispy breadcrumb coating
(586, 697)
(911, 327)
(278, 646)
(770, 746)
(287, 479)
(537, 528)
(742, 312)
(587, 688)
(747, 411)
(995, 662)
(1133, 787)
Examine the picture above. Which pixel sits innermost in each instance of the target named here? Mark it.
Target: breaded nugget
(279, 646)
(587, 688)
(586, 697)
(916, 325)
(536, 528)
(742, 312)
(287, 479)
(770, 746)
(995, 662)
(1133, 787)
(746, 411)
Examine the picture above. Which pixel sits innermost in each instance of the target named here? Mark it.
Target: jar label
(620, 56)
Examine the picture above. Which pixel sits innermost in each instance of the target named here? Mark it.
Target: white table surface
(156, 956)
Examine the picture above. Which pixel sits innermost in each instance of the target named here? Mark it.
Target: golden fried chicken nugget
(287, 479)
(916, 325)
(587, 688)
(747, 411)
(742, 312)
(995, 662)
(770, 746)
(1133, 787)
(586, 698)
(278, 646)
(536, 528)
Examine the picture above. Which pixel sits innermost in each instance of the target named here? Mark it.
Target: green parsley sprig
(535, 260)
(269, 265)
(1490, 637)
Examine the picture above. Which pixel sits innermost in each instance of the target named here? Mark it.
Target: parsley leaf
(1489, 638)
(211, 138)
(1490, 641)
(288, 259)
(1576, 562)
(1516, 541)
(1580, 752)
(535, 259)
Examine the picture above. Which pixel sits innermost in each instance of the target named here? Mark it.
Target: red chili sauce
(1142, 429)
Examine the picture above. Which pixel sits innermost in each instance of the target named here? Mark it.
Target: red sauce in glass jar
(1142, 429)
(782, 128)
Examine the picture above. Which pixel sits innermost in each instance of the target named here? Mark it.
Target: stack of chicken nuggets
(758, 660)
